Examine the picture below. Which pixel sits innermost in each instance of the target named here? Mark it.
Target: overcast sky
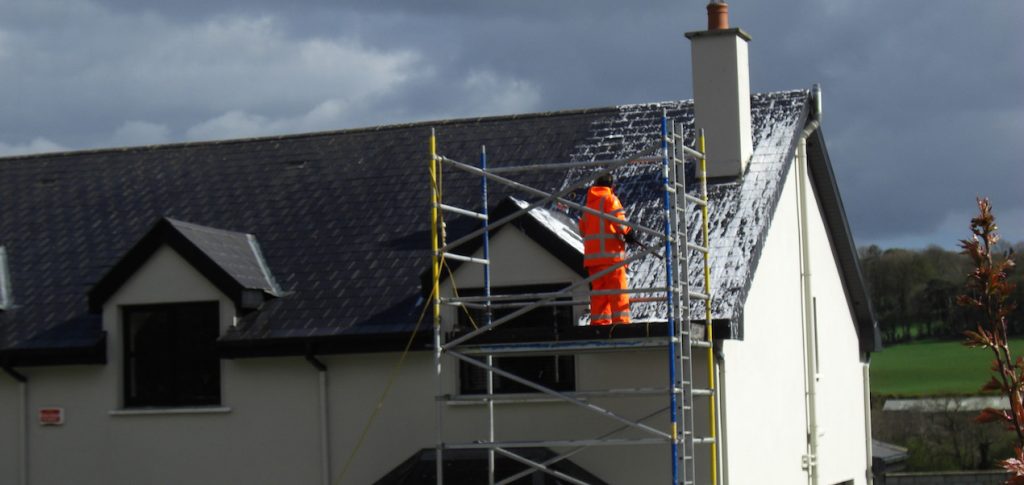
(923, 99)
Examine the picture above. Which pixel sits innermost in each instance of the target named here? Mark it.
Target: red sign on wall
(51, 416)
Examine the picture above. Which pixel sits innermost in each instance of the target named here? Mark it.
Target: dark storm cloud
(923, 107)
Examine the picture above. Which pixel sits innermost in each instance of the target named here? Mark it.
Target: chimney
(721, 92)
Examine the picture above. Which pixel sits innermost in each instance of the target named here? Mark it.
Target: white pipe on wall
(723, 460)
(810, 348)
(867, 417)
(325, 443)
(22, 424)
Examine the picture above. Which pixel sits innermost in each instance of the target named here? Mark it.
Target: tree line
(914, 292)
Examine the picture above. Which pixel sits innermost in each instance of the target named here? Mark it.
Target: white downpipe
(867, 418)
(723, 459)
(325, 432)
(22, 436)
(325, 442)
(810, 349)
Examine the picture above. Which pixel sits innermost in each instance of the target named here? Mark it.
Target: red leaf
(993, 385)
(989, 415)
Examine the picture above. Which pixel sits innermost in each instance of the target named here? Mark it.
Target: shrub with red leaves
(987, 294)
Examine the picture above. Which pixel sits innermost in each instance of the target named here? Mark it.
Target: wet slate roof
(342, 218)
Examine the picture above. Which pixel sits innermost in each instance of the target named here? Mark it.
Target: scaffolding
(677, 294)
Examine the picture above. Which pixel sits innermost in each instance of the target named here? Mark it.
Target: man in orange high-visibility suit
(604, 244)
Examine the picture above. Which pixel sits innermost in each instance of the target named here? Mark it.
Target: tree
(988, 295)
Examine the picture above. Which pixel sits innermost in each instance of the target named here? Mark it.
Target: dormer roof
(231, 260)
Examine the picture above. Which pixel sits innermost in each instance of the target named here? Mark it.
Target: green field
(932, 369)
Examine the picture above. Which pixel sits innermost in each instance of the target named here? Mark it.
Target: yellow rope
(387, 389)
(455, 291)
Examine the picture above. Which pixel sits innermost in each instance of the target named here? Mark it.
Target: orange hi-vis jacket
(603, 243)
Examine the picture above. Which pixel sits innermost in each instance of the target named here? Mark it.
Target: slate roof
(342, 217)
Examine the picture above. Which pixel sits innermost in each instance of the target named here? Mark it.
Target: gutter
(325, 442)
(810, 460)
(22, 423)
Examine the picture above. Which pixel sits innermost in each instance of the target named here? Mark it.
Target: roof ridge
(201, 227)
(313, 134)
(365, 129)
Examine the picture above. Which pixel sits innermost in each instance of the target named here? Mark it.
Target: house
(258, 311)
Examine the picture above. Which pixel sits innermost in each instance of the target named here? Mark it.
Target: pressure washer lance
(634, 240)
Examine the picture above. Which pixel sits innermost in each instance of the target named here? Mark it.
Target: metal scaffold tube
(675, 294)
(435, 203)
(673, 406)
(487, 314)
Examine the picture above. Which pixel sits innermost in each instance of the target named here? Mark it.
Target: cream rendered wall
(10, 403)
(406, 420)
(516, 260)
(264, 433)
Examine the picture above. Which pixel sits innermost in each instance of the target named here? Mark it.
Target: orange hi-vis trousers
(609, 309)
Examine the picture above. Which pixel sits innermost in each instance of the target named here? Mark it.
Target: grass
(932, 369)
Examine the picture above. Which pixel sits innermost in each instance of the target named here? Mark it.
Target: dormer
(231, 261)
(168, 301)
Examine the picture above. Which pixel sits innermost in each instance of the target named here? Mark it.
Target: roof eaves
(824, 183)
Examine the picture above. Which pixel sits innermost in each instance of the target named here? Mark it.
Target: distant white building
(238, 311)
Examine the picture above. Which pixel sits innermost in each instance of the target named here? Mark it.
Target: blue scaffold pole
(671, 299)
(488, 315)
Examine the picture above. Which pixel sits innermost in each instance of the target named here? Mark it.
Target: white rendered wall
(763, 405)
(765, 415)
(842, 451)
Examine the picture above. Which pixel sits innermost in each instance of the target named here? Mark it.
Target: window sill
(169, 411)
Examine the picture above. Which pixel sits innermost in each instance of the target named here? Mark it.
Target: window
(170, 357)
(554, 371)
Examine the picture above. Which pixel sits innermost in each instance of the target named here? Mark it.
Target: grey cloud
(915, 92)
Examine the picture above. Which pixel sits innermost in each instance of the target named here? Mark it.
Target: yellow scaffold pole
(435, 294)
(707, 313)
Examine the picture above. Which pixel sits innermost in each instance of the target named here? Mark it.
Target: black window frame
(557, 372)
(178, 365)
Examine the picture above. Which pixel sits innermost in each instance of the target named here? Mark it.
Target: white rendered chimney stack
(721, 92)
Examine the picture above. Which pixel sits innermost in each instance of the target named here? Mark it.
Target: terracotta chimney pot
(718, 15)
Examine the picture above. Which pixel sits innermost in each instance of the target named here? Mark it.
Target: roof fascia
(823, 182)
(96, 353)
